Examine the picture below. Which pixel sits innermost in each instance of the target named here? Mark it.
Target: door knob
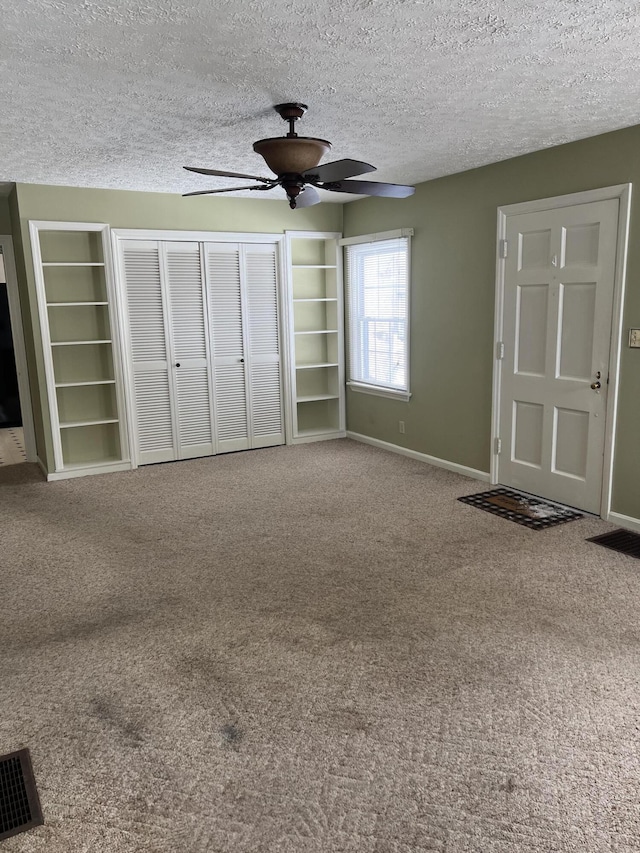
(595, 386)
(178, 364)
(242, 361)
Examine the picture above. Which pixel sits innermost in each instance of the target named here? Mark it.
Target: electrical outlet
(634, 337)
(401, 427)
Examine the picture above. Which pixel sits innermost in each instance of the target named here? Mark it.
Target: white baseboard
(107, 468)
(626, 521)
(421, 457)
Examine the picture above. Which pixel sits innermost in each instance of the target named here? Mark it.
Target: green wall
(124, 209)
(452, 300)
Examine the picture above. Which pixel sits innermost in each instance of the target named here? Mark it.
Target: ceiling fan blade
(228, 190)
(308, 197)
(337, 170)
(369, 188)
(222, 174)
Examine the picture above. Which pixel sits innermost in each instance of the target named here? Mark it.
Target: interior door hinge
(500, 350)
(497, 445)
(504, 247)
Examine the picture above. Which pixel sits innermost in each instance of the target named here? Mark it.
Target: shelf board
(70, 424)
(316, 299)
(318, 430)
(72, 264)
(76, 343)
(314, 266)
(318, 332)
(80, 384)
(316, 364)
(104, 460)
(312, 397)
(68, 304)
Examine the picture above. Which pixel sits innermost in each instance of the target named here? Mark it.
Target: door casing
(17, 332)
(622, 192)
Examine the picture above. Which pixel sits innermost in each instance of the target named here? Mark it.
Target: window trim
(387, 391)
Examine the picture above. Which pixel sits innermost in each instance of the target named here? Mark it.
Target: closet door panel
(195, 434)
(231, 408)
(155, 432)
(154, 424)
(190, 350)
(227, 329)
(265, 375)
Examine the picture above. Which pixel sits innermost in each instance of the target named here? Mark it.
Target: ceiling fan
(294, 160)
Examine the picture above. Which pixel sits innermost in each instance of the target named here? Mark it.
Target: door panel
(189, 349)
(527, 433)
(265, 385)
(557, 330)
(577, 303)
(231, 408)
(194, 411)
(571, 442)
(153, 396)
(531, 329)
(227, 330)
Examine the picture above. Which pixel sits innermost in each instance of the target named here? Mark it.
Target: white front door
(558, 298)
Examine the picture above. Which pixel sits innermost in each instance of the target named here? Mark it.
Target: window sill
(377, 391)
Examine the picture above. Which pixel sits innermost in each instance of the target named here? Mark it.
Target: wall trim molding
(624, 521)
(195, 236)
(421, 457)
(42, 467)
(16, 321)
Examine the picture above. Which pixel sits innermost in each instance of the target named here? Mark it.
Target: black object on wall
(10, 414)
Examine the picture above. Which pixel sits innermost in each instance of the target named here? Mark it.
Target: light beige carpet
(314, 649)
(12, 450)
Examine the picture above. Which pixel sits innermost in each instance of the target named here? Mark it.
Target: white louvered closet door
(223, 265)
(189, 349)
(263, 351)
(155, 433)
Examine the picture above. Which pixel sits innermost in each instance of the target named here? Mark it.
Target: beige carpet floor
(12, 450)
(314, 649)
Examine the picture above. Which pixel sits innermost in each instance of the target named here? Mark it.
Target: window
(378, 314)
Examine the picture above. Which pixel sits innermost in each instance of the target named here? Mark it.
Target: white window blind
(378, 315)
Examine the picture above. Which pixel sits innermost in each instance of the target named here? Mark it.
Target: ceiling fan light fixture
(295, 160)
(291, 154)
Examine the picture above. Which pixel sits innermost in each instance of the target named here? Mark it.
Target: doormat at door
(530, 512)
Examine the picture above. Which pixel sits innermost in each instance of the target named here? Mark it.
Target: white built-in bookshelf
(74, 282)
(316, 339)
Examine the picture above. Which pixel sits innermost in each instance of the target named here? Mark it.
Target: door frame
(19, 348)
(118, 235)
(622, 192)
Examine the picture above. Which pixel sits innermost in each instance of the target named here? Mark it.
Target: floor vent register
(19, 801)
(623, 541)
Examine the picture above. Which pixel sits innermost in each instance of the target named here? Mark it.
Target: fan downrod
(291, 113)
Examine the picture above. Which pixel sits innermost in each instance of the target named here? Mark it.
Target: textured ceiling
(122, 94)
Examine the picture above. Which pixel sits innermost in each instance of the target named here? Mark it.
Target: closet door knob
(178, 364)
(242, 361)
